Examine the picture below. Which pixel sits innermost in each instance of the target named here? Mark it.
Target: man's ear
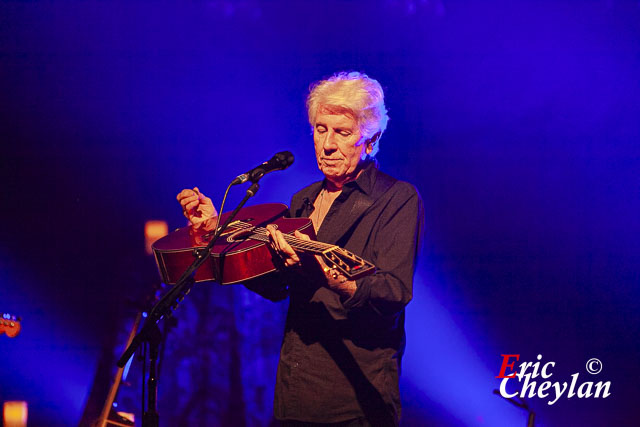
(370, 142)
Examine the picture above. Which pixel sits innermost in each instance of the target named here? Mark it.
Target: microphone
(279, 161)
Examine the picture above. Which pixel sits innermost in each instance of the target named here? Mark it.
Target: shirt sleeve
(396, 241)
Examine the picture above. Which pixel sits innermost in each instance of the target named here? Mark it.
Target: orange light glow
(128, 416)
(153, 230)
(15, 414)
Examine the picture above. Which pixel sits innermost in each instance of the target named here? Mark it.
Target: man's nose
(329, 143)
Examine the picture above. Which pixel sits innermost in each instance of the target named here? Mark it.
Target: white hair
(354, 94)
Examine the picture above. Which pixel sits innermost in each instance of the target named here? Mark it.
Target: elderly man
(343, 342)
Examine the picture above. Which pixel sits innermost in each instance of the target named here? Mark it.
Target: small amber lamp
(15, 414)
(153, 230)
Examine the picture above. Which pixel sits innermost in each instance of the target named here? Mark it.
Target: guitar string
(262, 234)
(302, 244)
(308, 245)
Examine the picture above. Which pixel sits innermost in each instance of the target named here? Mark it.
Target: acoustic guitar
(9, 325)
(241, 252)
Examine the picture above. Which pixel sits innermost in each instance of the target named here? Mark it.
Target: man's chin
(331, 171)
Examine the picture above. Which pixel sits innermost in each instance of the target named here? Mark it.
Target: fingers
(300, 235)
(331, 273)
(189, 205)
(189, 200)
(190, 195)
(277, 240)
(282, 248)
(195, 205)
(187, 193)
(271, 229)
(207, 202)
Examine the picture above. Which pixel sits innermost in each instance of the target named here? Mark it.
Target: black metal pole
(150, 418)
(151, 333)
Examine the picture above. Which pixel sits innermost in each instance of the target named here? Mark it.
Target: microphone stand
(150, 333)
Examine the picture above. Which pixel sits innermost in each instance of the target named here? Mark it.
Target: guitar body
(9, 325)
(233, 258)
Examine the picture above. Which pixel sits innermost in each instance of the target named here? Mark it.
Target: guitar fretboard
(262, 234)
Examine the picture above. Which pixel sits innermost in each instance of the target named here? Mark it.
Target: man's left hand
(334, 279)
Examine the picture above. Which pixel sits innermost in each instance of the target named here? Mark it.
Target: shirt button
(296, 364)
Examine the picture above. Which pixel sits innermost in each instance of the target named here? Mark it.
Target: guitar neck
(349, 264)
(310, 246)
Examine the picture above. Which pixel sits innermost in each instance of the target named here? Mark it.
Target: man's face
(339, 146)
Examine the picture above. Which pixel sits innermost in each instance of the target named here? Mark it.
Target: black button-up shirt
(340, 358)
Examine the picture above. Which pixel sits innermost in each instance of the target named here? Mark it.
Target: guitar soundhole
(237, 236)
(242, 235)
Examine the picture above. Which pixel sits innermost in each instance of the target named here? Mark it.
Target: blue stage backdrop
(518, 122)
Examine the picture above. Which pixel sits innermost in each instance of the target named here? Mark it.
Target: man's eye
(321, 129)
(344, 133)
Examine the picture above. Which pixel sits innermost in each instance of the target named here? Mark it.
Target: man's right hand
(196, 207)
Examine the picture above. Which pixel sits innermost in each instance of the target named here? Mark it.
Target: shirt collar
(366, 180)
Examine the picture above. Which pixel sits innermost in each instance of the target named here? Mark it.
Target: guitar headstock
(350, 265)
(10, 325)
